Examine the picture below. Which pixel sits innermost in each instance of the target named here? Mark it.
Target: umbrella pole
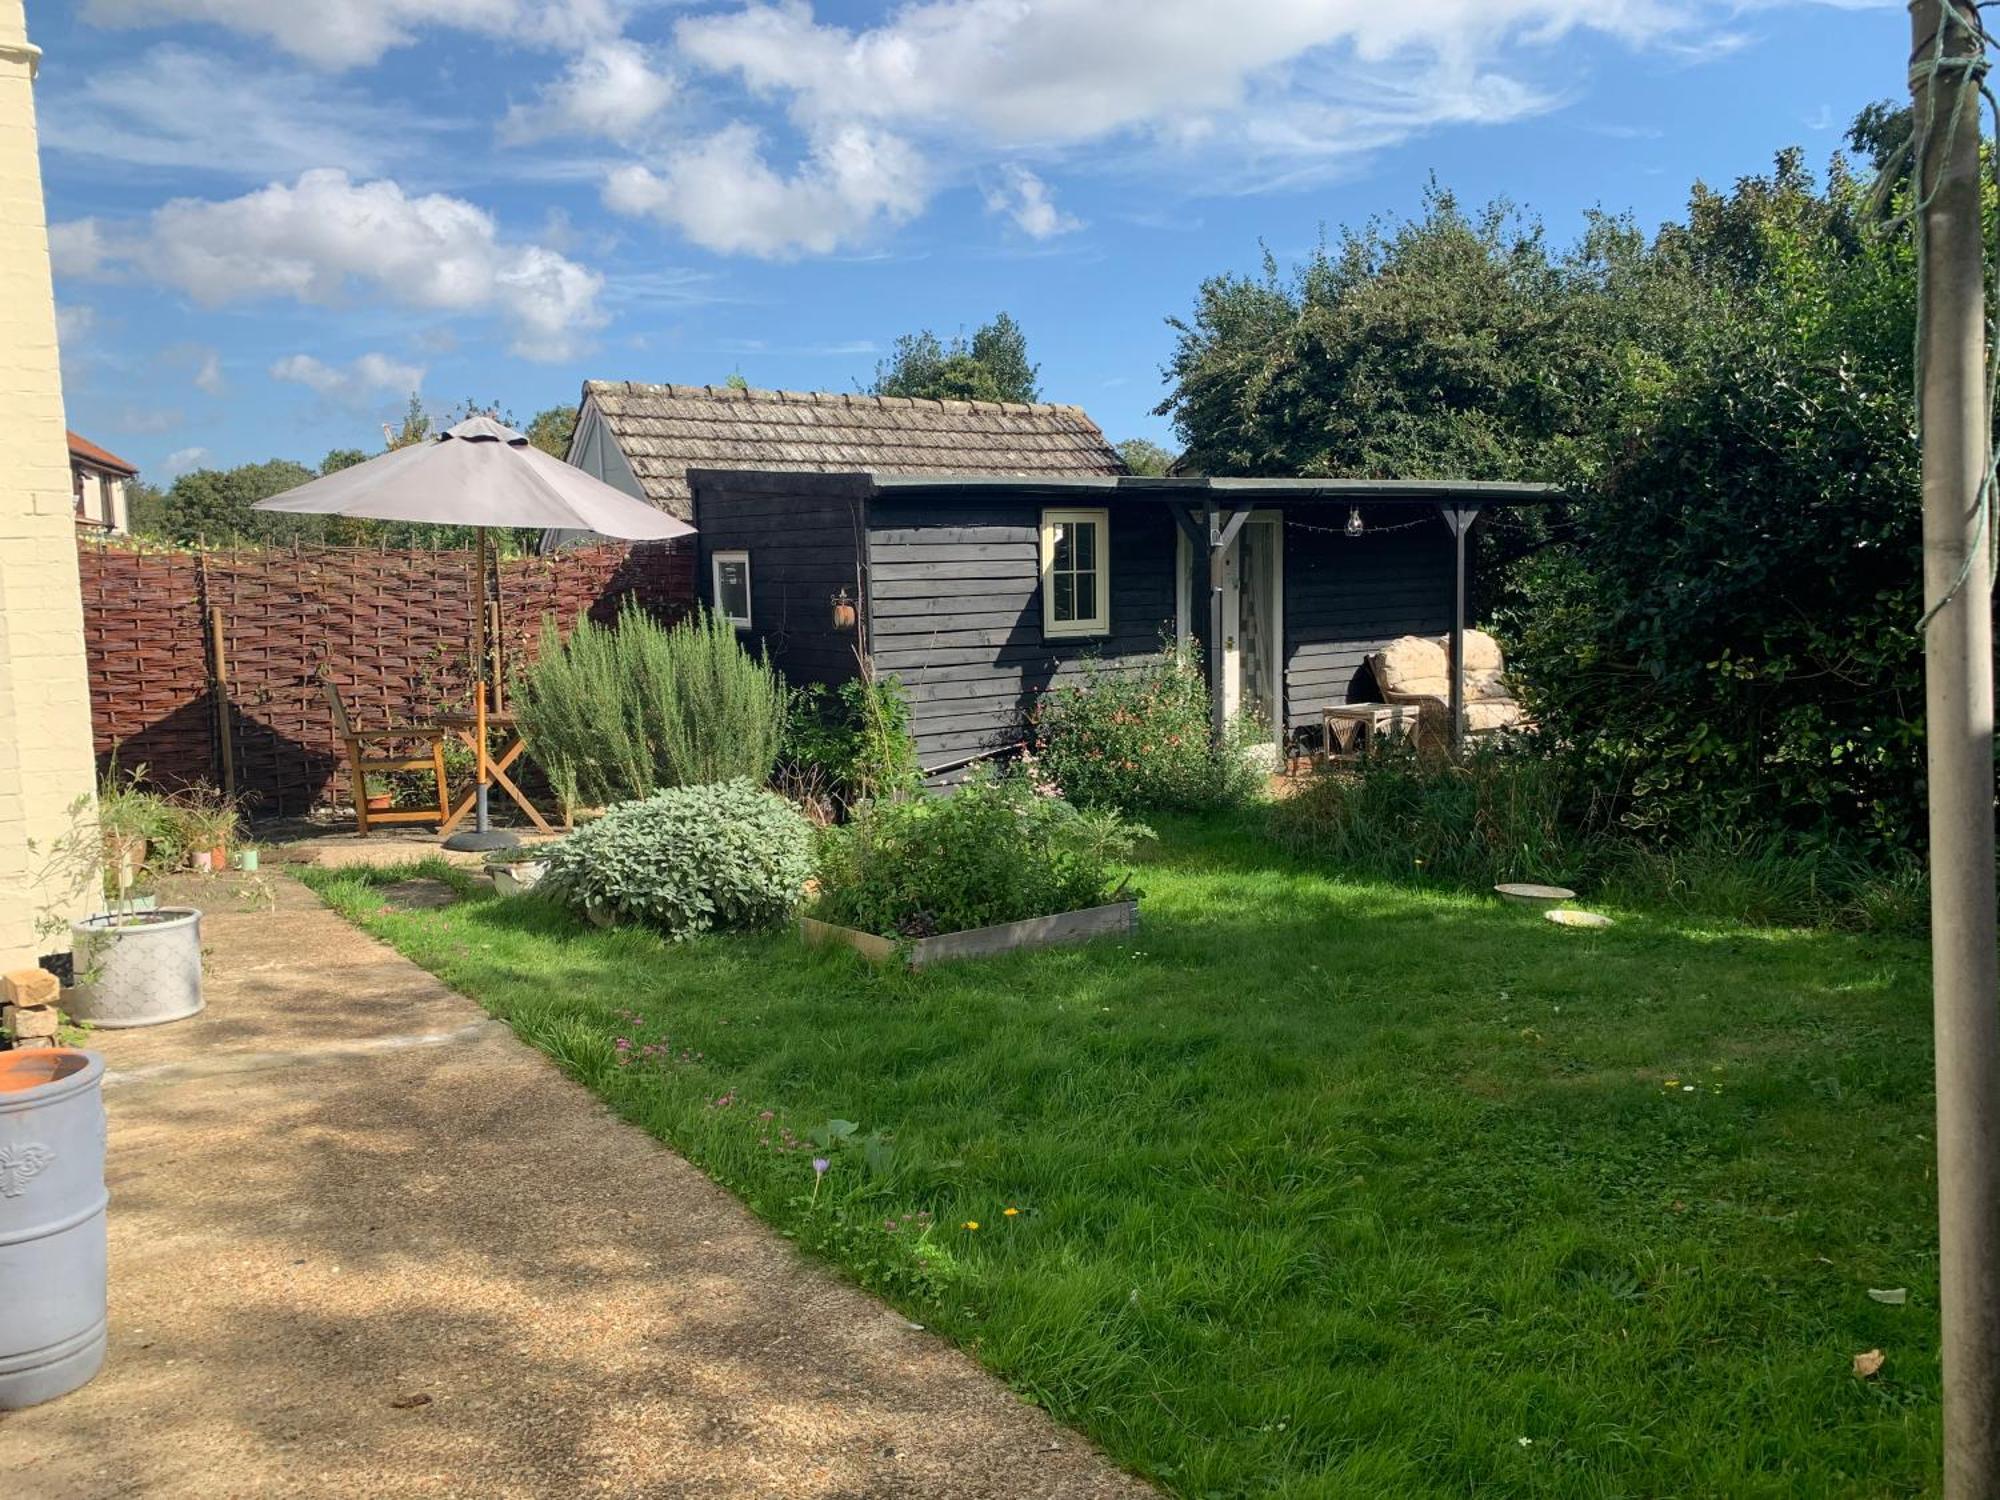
(482, 836)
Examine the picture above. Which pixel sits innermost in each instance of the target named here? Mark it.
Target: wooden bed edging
(1061, 930)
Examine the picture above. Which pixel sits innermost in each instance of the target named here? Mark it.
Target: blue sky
(271, 222)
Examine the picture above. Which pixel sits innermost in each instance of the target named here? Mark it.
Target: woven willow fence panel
(187, 647)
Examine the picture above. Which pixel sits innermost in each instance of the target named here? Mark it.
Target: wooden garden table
(474, 729)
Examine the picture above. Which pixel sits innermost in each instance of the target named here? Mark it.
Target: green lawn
(1325, 1188)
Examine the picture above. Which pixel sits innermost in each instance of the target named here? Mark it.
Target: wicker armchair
(1417, 669)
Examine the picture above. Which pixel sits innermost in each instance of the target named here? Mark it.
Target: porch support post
(1218, 710)
(1460, 521)
(1222, 528)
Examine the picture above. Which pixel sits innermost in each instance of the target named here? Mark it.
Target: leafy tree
(145, 508)
(214, 505)
(1446, 346)
(551, 430)
(416, 425)
(1144, 456)
(991, 366)
(1718, 624)
(341, 458)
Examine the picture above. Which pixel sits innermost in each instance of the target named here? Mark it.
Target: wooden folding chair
(360, 766)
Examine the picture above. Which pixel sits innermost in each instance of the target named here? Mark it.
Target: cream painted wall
(45, 746)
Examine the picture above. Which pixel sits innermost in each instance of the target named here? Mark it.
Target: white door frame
(1231, 664)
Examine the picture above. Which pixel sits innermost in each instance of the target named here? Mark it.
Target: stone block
(29, 987)
(36, 1021)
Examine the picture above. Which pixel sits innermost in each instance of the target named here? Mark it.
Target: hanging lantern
(843, 611)
(1354, 520)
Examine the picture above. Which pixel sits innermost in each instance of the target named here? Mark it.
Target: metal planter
(52, 1227)
(136, 969)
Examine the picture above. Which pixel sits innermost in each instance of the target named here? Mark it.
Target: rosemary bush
(619, 712)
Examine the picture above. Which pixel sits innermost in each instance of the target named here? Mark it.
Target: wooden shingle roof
(665, 430)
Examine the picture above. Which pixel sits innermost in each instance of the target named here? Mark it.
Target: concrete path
(363, 1242)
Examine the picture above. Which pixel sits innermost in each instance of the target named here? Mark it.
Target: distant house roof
(98, 458)
(665, 430)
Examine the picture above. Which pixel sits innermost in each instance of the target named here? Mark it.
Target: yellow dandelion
(1011, 1212)
(971, 1223)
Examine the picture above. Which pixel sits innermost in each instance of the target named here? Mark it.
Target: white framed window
(731, 575)
(1076, 572)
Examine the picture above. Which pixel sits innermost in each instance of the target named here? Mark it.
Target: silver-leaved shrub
(692, 859)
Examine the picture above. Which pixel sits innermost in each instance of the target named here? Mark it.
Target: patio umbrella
(480, 473)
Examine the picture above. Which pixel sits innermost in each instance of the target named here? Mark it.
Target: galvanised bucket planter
(52, 1238)
(136, 968)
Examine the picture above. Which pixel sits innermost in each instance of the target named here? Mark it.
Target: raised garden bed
(1061, 930)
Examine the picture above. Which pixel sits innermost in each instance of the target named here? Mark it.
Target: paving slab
(364, 1242)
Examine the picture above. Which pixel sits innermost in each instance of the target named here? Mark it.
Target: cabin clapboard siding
(802, 533)
(1348, 596)
(955, 610)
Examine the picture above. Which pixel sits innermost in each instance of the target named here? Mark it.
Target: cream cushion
(1411, 666)
(1485, 670)
(1416, 667)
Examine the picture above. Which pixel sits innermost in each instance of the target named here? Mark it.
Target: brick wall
(45, 753)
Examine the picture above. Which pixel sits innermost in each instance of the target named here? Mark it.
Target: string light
(1354, 520)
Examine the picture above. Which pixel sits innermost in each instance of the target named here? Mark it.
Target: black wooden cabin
(979, 593)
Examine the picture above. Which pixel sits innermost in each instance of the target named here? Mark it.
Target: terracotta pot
(381, 802)
(218, 859)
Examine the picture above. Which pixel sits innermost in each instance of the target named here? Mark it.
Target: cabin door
(1253, 620)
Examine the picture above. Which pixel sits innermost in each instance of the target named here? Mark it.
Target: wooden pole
(218, 659)
(479, 662)
(1958, 732)
(1218, 707)
(1460, 521)
(1223, 527)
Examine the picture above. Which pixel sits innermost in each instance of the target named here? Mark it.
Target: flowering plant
(1139, 739)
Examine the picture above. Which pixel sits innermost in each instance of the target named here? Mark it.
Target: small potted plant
(516, 871)
(378, 794)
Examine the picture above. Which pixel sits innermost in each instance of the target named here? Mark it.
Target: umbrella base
(481, 841)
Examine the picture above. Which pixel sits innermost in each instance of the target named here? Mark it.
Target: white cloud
(181, 460)
(348, 33)
(1025, 198)
(1028, 72)
(74, 322)
(79, 248)
(1256, 91)
(722, 194)
(326, 237)
(150, 420)
(611, 89)
(208, 373)
(358, 384)
(202, 363)
(176, 107)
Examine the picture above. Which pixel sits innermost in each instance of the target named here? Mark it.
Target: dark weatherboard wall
(955, 608)
(803, 536)
(1347, 596)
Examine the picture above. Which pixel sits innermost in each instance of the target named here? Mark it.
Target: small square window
(1075, 589)
(732, 587)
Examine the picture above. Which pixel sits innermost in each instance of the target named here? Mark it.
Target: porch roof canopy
(1469, 493)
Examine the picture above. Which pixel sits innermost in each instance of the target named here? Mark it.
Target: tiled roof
(665, 430)
(103, 458)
